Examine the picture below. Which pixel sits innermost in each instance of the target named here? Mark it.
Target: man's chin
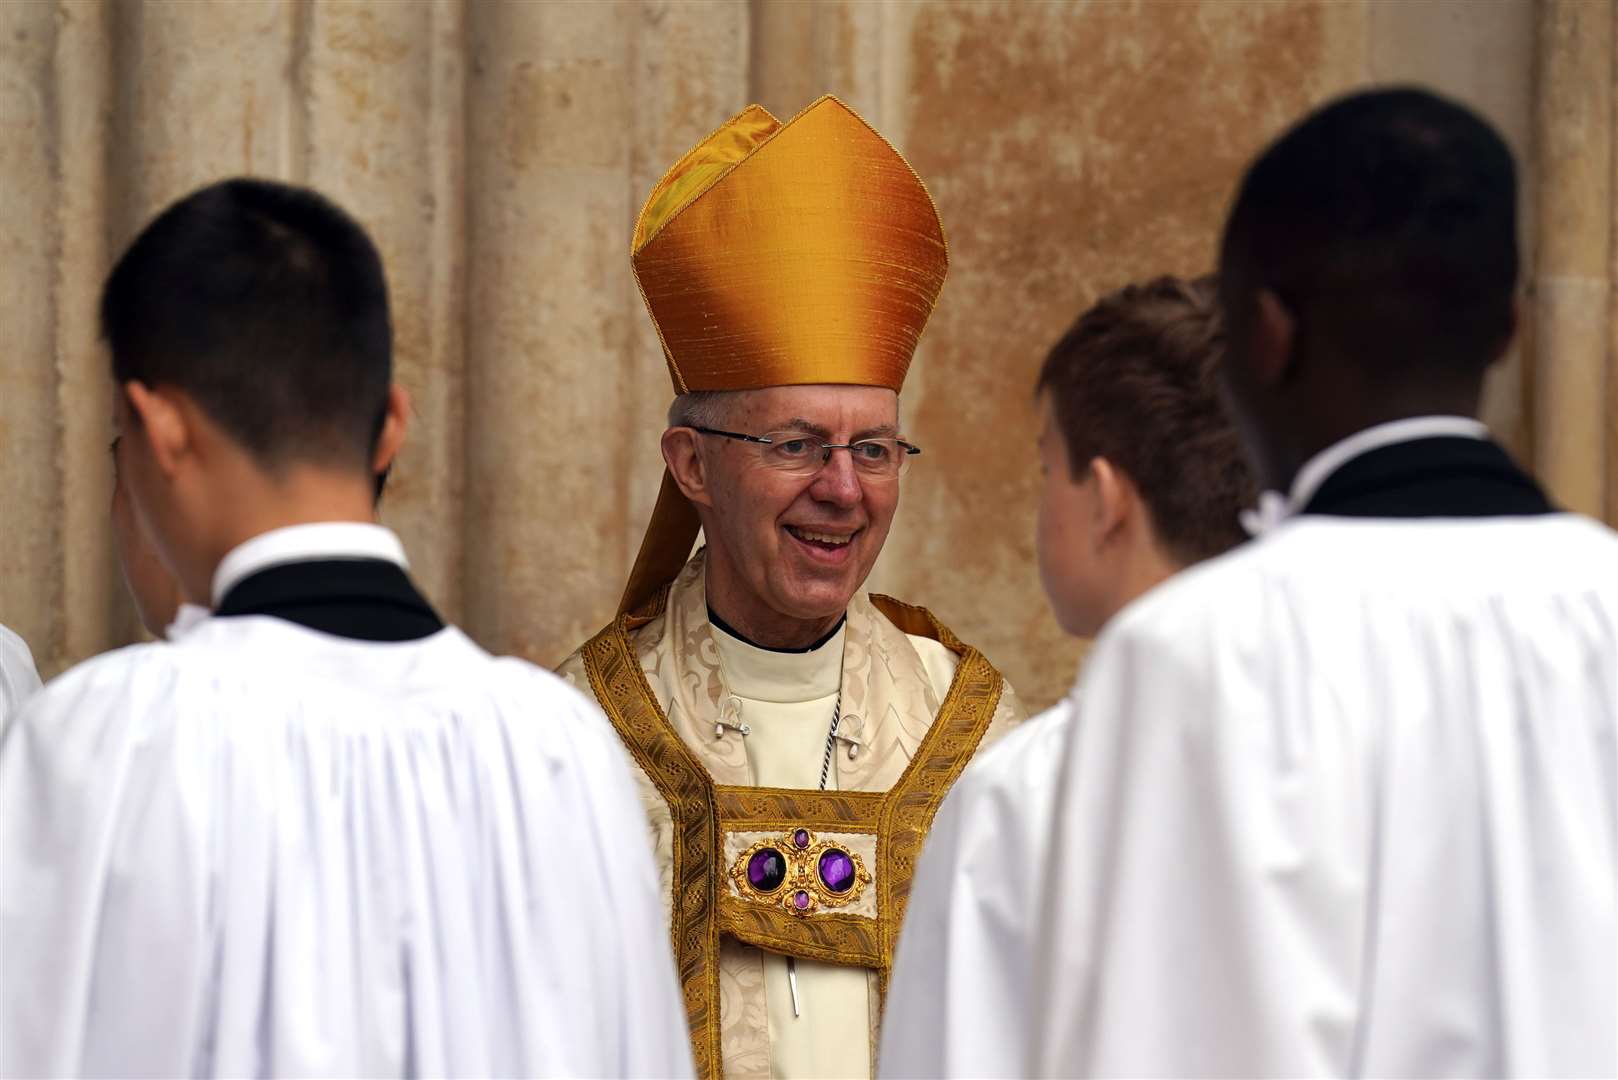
(820, 600)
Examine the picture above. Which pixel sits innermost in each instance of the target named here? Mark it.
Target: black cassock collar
(362, 599)
(1439, 476)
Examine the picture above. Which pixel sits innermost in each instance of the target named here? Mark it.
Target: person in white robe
(18, 677)
(318, 832)
(1143, 474)
(1344, 802)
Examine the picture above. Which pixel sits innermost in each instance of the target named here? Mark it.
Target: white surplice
(263, 850)
(1343, 802)
(959, 988)
(18, 679)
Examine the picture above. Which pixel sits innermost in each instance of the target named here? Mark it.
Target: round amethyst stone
(836, 870)
(766, 870)
(801, 901)
(801, 838)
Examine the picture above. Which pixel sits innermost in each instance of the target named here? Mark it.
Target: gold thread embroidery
(789, 808)
(963, 717)
(620, 687)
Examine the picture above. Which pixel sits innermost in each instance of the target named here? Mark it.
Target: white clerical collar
(1274, 508)
(305, 543)
(783, 677)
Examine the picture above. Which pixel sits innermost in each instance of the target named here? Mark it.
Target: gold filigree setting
(797, 884)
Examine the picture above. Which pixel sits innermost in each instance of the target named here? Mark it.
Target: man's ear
(392, 436)
(1114, 500)
(1272, 348)
(161, 425)
(684, 458)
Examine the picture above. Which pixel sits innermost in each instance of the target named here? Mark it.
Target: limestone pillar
(1574, 257)
(30, 466)
(379, 119)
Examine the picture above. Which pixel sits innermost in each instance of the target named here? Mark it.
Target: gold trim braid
(620, 687)
(911, 804)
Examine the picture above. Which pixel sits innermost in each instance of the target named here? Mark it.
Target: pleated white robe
(262, 850)
(1341, 803)
(18, 678)
(960, 982)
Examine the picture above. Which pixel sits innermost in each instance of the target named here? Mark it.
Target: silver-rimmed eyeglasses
(804, 455)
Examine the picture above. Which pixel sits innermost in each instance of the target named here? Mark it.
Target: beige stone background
(499, 152)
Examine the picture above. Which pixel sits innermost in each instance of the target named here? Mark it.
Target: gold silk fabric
(779, 254)
(656, 674)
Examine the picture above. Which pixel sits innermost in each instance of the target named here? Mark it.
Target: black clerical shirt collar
(721, 624)
(347, 579)
(321, 541)
(1422, 467)
(1318, 469)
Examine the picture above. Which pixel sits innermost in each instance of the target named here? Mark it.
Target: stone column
(31, 464)
(690, 74)
(801, 51)
(550, 121)
(576, 110)
(381, 128)
(1574, 257)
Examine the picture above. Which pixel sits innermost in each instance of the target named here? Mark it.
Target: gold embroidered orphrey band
(703, 812)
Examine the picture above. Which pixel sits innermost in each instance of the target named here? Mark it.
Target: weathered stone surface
(381, 128)
(499, 152)
(1575, 360)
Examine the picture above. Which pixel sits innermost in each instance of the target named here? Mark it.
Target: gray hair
(700, 408)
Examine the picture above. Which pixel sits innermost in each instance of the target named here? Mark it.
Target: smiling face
(785, 552)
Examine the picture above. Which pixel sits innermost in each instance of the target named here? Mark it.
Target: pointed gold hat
(781, 254)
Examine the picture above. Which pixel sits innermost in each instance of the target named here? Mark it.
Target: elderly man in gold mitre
(793, 737)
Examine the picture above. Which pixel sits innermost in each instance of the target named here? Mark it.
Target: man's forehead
(816, 407)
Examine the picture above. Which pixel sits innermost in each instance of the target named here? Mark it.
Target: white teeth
(823, 538)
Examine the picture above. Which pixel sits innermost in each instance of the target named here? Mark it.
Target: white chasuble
(722, 804)
(1343, 802)
(261, 850)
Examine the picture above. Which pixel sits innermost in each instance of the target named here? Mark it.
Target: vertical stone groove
(1573, 260)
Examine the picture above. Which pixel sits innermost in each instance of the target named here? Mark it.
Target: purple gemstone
(801, 838)
(837, 870)
(801, 901)
(766, 870)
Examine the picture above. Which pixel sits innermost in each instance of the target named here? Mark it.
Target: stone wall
(499, 152)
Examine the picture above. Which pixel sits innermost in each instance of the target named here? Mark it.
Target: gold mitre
(776, 254)
(781, 254)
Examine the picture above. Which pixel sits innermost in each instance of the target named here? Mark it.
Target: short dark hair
(268, 305)
(1134, 381)
(1389, 218)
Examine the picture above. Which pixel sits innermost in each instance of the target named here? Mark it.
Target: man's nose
(837, 482)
